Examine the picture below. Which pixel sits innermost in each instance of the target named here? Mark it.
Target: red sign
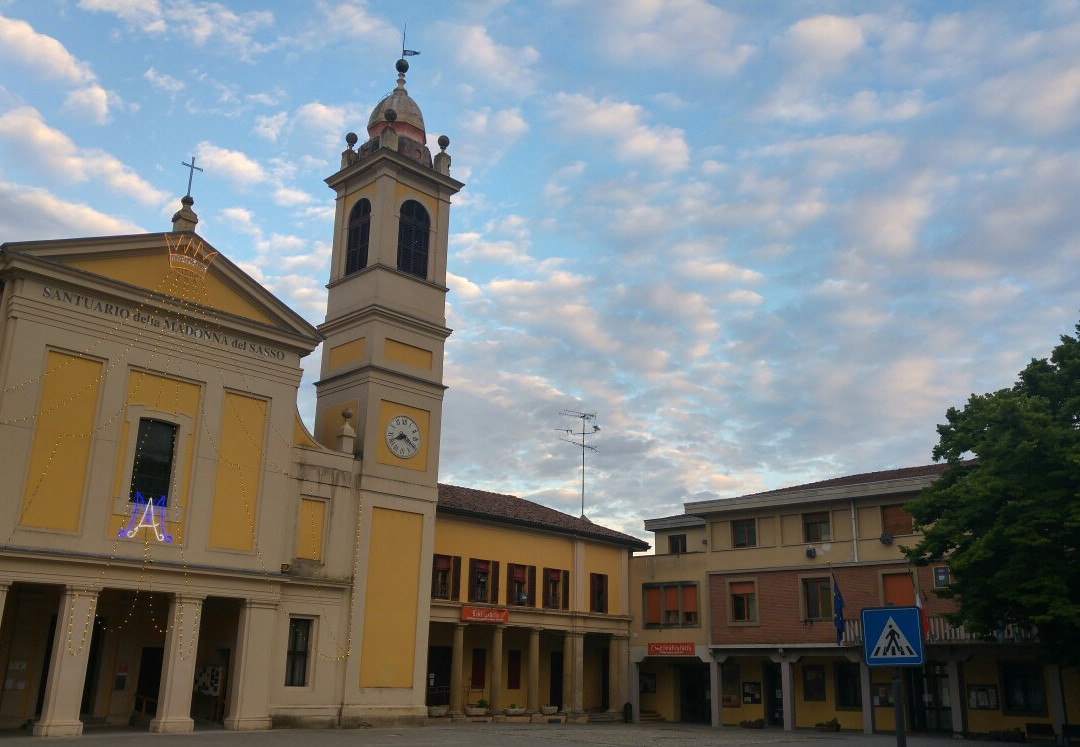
(484, 615)
(671, 649)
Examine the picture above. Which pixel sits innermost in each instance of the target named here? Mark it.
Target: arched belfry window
(356, 248)
(413, 228)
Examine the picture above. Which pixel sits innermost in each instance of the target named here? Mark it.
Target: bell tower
(382, 369)
(385, 320)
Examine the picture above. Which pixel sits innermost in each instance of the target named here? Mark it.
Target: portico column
(5, 584)
(249, 697)
(178, 665)
(956, 700)
(787, 686)
(1052, 674)
(534, 671)
(67, 669)
(457, 657)
(867, 698)
(616, 673)
(635, 691)
(573, 673)
(495, 690)
(716, 685)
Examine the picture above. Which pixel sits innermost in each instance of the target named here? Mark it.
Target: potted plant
(513, 710)
(437, 711)
(831, 725)
(757, 723)
(479, 709)
(549, 710)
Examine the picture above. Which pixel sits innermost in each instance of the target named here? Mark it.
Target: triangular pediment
(211, 282)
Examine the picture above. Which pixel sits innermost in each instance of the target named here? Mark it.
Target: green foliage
(1008, 524)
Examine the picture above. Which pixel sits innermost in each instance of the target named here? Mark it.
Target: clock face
(403, 436)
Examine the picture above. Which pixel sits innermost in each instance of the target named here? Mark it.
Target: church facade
(176, 544)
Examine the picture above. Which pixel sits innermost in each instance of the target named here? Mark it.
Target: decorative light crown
(188, 255)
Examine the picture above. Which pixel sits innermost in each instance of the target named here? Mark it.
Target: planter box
(471, 711)
(549, 710)
(437, 711)
(515, 711)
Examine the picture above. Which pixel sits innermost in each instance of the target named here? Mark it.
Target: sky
(765, 243)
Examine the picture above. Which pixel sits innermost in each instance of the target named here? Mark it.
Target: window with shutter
(895, 520)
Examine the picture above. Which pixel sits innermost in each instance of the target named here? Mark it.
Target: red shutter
(897, 589)
(741, 587)
(689, 598)
(455, 580)
(530, 589)
(566, 590)
(671, 598)
(652, 606)
(471, 581)
(493, 597)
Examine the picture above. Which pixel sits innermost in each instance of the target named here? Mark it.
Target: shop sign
(484, 615)
(672, 649)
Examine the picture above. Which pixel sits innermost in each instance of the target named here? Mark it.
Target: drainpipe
(854, 531)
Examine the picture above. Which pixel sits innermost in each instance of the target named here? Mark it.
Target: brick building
(772, 564)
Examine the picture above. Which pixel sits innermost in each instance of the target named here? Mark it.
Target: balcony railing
(941, 631)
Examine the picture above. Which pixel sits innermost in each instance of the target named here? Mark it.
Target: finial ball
(347, 413)
(390, 115)
(350, 139)
(443, 141)
(402, 65)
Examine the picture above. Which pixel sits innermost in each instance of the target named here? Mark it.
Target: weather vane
(192, 168)
(406, 52)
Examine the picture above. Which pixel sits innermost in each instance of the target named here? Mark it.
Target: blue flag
(838, 610)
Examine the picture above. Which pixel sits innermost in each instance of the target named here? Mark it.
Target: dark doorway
(555, 687)
(146, 690)
(45, 667)
(928, 698)
(438, 684)
(93, 668)
(774, 695)
(694, 707)
(605, 685)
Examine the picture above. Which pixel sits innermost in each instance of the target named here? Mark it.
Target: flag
(923, 622)
(408, 52)
(838, 609)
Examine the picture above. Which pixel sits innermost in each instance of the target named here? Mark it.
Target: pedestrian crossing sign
(892, 636)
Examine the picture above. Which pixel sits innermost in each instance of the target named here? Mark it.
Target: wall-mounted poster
(882, 695)
(982, 697)
(751, 692)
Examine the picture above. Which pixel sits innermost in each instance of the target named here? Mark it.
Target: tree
(1008, 522)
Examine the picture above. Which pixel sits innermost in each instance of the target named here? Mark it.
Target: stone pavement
(490, 735)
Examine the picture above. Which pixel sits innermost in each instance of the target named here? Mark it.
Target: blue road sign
(892, 636)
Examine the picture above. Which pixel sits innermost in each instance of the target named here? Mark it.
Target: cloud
(499, 65)
(163, 81)
(47, 56)
(672, 33)
(1043, 99)
(232, 165)
(32, 214)
(32, 141)
(291, 197)
(822, 45)
(50, 59)
(621, 122)
(143, 14)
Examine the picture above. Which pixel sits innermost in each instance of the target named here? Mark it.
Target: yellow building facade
(177, 546)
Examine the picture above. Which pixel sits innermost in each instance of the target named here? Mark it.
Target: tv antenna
(588, 428)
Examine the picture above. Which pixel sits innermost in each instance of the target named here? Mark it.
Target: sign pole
(898, 708)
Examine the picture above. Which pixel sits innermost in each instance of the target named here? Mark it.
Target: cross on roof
(192, 168)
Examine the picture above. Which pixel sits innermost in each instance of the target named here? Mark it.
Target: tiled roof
(864, 477)
(513, 510)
